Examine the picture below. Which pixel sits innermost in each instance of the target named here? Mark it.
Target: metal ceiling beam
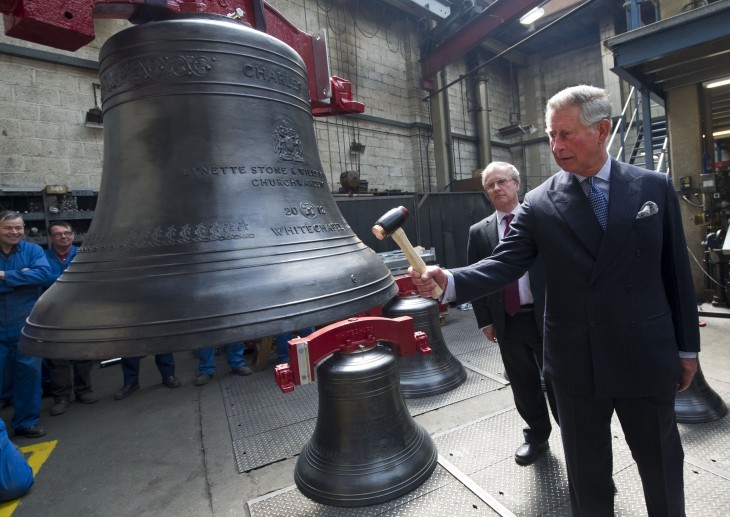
(471, 34)
(672, 35)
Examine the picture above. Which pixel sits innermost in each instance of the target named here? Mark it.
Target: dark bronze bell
(366, 448)
(699, 403)
(215, 222)
(424, 375)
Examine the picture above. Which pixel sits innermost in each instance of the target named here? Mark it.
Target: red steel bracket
(347, 336)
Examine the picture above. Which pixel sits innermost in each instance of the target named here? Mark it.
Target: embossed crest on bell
(215, 222)
(424, 375)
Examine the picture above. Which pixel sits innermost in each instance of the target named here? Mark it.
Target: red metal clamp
(346, 337)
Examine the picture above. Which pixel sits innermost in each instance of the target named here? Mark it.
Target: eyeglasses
(499, 183)
(62, 234)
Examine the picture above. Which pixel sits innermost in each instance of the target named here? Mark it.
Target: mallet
(390, 225)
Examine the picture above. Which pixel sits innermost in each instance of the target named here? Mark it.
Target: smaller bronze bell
(699, 403)
(366, 448)
(424, 375)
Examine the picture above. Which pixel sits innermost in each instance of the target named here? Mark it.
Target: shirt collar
(603, 174)
(500, 214)
(12, 250)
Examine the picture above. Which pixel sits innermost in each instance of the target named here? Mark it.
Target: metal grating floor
(477, 474)
(538, 490)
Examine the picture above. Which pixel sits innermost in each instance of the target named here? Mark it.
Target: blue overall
(206, 358)
(130, 368)
(16, 476)
(26, 271)
(58, 267)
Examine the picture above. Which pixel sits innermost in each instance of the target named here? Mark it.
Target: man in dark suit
(513, 316)
(621, 324)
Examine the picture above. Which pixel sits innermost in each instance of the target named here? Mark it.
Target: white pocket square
(647, 210)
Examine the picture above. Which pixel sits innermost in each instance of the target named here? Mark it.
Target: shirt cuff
(687, 355)
(450, 291)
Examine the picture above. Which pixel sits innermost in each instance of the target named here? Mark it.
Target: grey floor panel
(441, 495)
(461, 333)
(541, 489)
(487, 358)
(277, 411)
(253, 451)
(489, 440)
(473, 386)
(709, 442)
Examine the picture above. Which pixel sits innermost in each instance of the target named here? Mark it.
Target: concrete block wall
(43, 105)
(43, 139)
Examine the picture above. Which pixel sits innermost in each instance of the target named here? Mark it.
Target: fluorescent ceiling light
(721, 133)
(532, 16)
(721, 82)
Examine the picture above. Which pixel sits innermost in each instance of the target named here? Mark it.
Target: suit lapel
(491, 231)
(623, 201)
(572, 204)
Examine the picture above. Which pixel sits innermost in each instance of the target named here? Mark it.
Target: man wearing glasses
(24, 270)
(60, 254)
(513, 317)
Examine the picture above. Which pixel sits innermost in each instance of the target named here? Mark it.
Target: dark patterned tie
(512, 291)
(598, 203)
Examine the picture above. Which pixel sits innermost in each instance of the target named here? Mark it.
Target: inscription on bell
(295, 182)
(265, 175)
(272, 75)
(153, 68)
(309, 229)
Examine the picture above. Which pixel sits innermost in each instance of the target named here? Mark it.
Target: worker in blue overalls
(16, 476)
(66, 376)
(24, 270)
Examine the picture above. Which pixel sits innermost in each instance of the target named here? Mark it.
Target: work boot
(59, 407)
(243, 370)
(171, 382)
(87, 398)
(202, 379)
(126, 391)
(34, 431)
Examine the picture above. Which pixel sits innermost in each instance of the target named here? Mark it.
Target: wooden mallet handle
(382, 229)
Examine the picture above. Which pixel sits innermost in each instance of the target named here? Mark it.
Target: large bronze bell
(214, 222)
(366, 448)
(424, 375)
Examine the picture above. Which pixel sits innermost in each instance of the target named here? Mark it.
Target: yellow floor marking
(36, 455)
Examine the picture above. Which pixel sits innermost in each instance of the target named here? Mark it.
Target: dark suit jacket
(489, 310)
(619, 306)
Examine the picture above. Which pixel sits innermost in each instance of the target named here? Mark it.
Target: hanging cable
(357, 26)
